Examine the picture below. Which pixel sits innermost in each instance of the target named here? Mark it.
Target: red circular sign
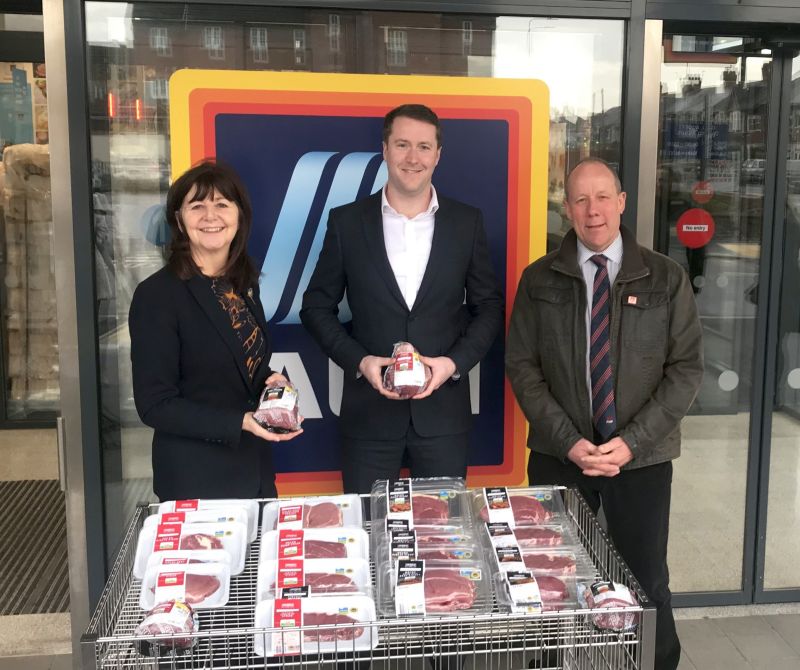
(695, 228)
(702, 192)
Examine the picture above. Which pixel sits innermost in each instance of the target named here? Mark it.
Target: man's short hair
(598, 161)
(416, 112)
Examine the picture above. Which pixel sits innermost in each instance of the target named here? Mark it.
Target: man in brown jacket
(605, 357)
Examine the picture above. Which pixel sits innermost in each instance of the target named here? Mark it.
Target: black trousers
(636, 506)
(364, 461)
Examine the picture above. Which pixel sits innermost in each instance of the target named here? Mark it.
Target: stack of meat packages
(185, 557)
(427, 556)
(537, 557)
(313, 578)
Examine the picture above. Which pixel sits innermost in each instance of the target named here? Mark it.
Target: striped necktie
(604, 410)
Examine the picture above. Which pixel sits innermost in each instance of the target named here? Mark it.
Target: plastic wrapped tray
(352, 543)
(350, 576)
(558, 593)
(211, 580)
(231, 537)
(474, 573)
(436, 501)
(250, 506)
(318, 512)
(321, 636)
(531, 506)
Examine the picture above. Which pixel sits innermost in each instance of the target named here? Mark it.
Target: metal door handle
(61, 439)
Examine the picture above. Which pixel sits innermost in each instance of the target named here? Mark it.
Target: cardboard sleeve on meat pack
(201, 585)
(250, 506)
(343, 511)
(320, 625)
(557, 593)
(231, 537)
(324, 577)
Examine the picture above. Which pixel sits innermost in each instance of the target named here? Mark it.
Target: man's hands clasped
(602, 460)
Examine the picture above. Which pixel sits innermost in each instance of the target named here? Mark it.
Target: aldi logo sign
(306, 143)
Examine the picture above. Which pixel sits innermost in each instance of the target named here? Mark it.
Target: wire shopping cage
(227, 637)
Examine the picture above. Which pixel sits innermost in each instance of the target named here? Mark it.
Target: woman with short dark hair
(200, 348)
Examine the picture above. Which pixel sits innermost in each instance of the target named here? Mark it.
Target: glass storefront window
(133, 49)
(28, 325)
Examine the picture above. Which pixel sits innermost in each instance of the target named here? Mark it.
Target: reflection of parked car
(753, 170)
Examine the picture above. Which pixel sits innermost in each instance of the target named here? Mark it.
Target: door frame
(770, 268)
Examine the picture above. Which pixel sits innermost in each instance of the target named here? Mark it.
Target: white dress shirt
(614, 255)
(408, 244)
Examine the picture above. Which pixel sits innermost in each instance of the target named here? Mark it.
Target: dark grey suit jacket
(190, 384)
(457, 313)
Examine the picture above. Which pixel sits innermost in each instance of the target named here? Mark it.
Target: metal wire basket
(563, 640)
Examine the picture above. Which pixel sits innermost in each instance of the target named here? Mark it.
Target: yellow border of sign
(183, 82)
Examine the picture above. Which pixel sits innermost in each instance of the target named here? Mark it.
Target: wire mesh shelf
(563, 640)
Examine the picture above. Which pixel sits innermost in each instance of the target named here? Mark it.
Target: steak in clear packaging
(330, 634)
(447, 590)
(431, 510)
(322, 515)
(198, 587)
(526, 510)
(174, 618)
(201, 541)
(553, 564)
(553, 590)
(408, 375)
(324, 549)
(536, 536)
(278, 409)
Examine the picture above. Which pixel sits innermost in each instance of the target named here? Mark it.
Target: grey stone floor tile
(685, 663)
(717, 654)
(59, 662)
(744, 625)
(788, 626)
(698, 629)
(763, 647)
(779, 664)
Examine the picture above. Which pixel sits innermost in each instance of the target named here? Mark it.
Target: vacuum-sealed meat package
(602, 595)
(173, 618)
(278, 409)
(408, 375)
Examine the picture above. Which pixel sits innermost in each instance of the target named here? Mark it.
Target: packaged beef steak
(314, 543)
(322, 577)
(278, 409)
(201, 585)
(174, 619)
(339, 624)
(343, 511)
(250, 506)
(434, 501)
(531, 506)
(602, 595)
(408, 375)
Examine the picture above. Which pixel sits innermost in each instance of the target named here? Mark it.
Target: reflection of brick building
(276, 39)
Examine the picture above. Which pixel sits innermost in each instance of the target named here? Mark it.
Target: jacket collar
(633, 266)
(200, 288)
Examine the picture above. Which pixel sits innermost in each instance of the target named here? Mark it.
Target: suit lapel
(437, 256)
(201, 290)
(373, 231)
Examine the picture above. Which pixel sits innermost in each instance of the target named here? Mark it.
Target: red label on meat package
(175, 561)
(170, 579)
(403, 362)
(168, 536)
(290, 514)
(290, 573)
(186, 505)
(290, 544)
(287, 613)
(173, 517)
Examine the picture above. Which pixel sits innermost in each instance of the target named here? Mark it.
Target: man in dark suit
(415, 267)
